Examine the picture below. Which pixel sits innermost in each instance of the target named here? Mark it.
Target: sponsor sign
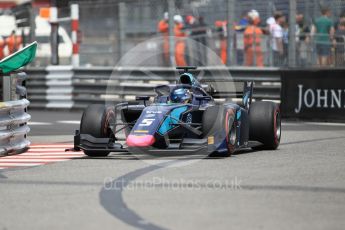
(313, 94)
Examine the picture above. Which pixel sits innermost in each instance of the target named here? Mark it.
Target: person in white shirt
(276, 31)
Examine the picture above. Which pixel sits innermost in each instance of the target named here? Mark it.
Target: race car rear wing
(229, 89)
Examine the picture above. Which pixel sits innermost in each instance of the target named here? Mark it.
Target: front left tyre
(96, 121)
(217, 118)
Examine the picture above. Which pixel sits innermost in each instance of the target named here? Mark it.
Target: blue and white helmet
(180, 96)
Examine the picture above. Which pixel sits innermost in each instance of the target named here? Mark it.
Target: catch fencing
(13, 114)
(125, 24)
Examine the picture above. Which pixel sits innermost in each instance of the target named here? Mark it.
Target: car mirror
(203, 98)
(142, 98)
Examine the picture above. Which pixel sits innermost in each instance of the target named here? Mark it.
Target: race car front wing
(89, 143)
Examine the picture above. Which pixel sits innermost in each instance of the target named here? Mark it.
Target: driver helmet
(181, 96)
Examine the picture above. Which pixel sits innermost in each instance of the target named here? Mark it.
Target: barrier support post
(292, 33)
(75, 29)
(54, 34)
(231, 54)
(171, 13)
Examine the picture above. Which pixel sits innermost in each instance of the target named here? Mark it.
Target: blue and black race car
(182, 118)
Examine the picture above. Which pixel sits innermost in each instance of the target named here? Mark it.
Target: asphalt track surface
(299, 186)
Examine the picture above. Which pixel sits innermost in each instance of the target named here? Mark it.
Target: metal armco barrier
(59, 83)
(13, 119)
(66, 88)
(37, 87)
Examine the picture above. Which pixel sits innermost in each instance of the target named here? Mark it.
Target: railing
(66, 88)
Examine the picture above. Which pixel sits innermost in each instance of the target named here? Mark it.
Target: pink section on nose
(140, 141)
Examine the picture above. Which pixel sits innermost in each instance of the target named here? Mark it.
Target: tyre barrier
(13, 126)
(13, 102)
(64, 87)
(13, 114)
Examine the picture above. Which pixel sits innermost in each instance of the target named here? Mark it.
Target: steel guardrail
(67, 88)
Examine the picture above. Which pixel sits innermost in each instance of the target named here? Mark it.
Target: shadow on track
(2, 176)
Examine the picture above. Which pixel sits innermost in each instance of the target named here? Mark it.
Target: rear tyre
(217, 118)
(96, 121)
(265, 124)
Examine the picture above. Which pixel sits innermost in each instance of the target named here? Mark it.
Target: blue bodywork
(159, 118)
(162, 119)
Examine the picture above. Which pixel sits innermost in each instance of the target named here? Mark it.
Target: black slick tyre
(217, 118)
(96, 121)
(265, 124)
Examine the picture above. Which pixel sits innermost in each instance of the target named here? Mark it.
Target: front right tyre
(96, 121)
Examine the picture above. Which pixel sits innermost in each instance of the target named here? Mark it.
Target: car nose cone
(140, 140)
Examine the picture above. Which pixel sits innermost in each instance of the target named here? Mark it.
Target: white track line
(312, 123)
(6, 160)
(51, 156)
(51, 146)
(325, 123)
(47, 150)
(69, 122)
(53, 153)
(20, 164)
(41, 157)
(38, 123)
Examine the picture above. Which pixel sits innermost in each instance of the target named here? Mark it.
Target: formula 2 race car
(183, 118)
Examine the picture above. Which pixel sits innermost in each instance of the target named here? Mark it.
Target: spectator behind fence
(2, 48)
(285, 43)
(163, 28)
(303, 40)
(240, 28)
(13, 42)
(324, 32)
(252, 41)
(198, 32)
(340, 19)
(276, 31)
(340, 45)
(221, 27)
(180, 45)
(269, 25)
